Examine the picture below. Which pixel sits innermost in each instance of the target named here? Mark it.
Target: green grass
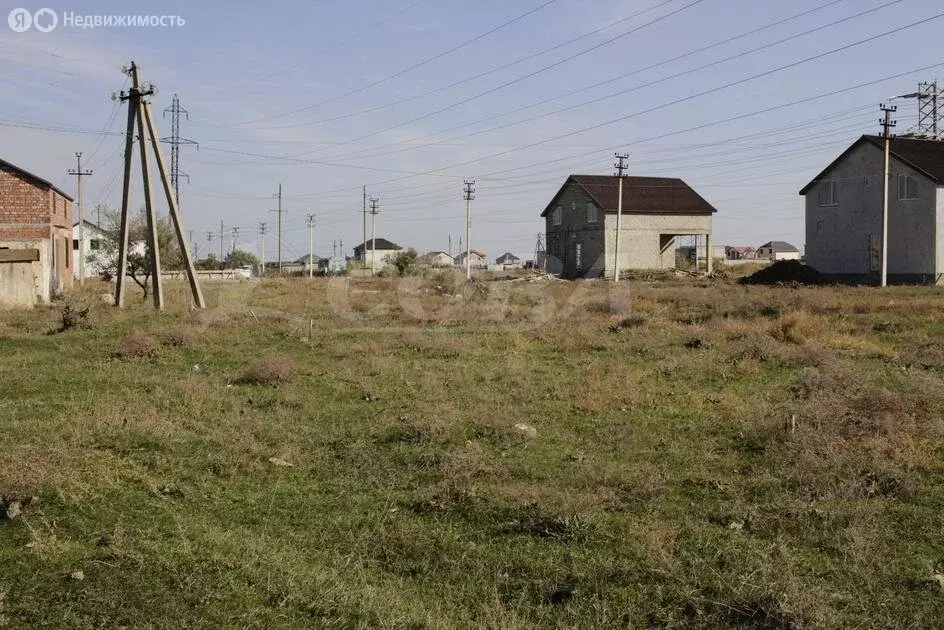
(665, 485)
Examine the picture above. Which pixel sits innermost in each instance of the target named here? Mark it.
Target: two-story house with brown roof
(580, 223)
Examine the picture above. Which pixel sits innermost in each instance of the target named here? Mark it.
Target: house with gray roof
(844, 212)
(777, 250)
(580, 223)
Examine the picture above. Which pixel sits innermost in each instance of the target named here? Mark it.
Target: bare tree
(139, 262)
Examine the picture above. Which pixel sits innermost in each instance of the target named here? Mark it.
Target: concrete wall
(26, 284)
(838, 238)
(383, 257)
(92, 269)
(647, 241)
(939, 233)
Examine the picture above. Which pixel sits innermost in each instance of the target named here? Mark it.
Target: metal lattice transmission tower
(929, 118)
(930, 112)
(175, 110)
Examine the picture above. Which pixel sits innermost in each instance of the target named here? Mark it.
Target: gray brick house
(844, 212)
(580, 223)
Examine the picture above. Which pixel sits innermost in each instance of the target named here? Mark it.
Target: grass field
(508, 454)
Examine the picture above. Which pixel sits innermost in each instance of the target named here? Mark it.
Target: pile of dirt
(785, 272)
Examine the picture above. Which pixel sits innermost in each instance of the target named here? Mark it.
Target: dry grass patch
(269, 371)
(139, 345)
(181, 337)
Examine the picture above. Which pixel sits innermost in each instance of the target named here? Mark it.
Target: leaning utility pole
(279, 236)
(175, 110)
(311, 245)
(468, 195)
(620, 169)
(373, 234)
(262, 231)
(79, 173)
(139, 110)
(887, 125)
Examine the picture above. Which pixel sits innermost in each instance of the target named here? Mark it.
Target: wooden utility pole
(139, 109)
(887, 124)
(468, 195)
(311, 245)
(79, 173)
(620, 169)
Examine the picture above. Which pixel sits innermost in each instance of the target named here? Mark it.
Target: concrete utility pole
(279, 197)
(139, 108)
(468, 195)
(262, 231)
(887, 124)
(222, 227)
(79, 173)
(450, 245)
(620, 169)
(311, 245)
(365, 226)
(373, 234)
(235, 237)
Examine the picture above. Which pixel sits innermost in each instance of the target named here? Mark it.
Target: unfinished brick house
(35, 238)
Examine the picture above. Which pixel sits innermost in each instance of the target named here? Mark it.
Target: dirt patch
(785, 272)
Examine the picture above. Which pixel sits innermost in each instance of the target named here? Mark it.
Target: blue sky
(327, 96)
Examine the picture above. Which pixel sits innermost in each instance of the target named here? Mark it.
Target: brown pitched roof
(641, 195)
(39, 181)
(925, 156)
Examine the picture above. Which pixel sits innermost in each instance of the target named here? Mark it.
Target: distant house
(379, 249)
(92, 249)
(844, 212)
(478, 259)
(581, 223)
(317, 261)
(777, 250)
(35, 238)
(438, 259)
(508, 261)
(739, 252)
(693, 253)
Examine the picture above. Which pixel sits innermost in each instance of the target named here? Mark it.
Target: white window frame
(557, 215)
(903, 180)
(829, 193)
(591, 212)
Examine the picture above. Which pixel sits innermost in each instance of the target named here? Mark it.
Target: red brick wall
(31, 211)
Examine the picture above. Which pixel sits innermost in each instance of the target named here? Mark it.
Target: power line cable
(406, 70)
